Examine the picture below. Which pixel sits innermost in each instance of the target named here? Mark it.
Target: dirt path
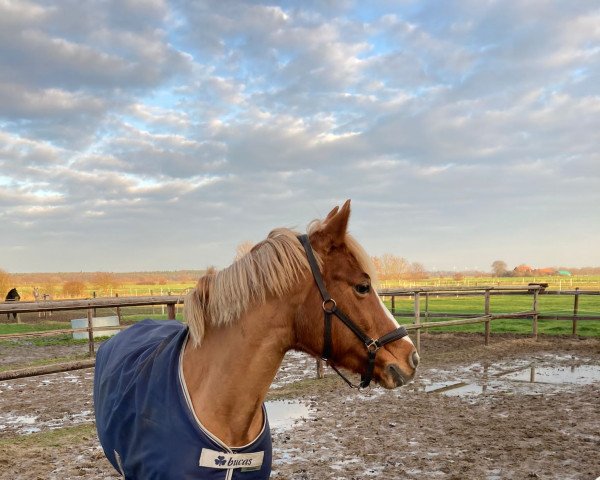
(473, 414)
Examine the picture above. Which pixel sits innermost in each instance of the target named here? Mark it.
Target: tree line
(501, 269)
(76, 285)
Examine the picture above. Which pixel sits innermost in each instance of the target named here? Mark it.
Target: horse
(187, 401)
(45, 297)
(12, 296)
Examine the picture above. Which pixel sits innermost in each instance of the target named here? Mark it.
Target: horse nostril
(394, 372)
(414, 359)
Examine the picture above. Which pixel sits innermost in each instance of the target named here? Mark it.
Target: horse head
(363, 336)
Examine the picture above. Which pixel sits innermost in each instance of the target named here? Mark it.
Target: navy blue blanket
(144, 418)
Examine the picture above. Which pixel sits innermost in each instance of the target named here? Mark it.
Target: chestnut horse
(241, 322)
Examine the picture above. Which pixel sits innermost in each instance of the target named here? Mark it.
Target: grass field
(547, 304)
(67, 339)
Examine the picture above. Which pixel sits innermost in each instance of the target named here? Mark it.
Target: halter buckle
(372, 346)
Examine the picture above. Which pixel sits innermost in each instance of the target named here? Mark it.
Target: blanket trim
(188, 401)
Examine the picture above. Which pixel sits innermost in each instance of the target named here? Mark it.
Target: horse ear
(337, 223)
(331, 214)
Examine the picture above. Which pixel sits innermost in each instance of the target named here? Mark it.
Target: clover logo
(220, 461)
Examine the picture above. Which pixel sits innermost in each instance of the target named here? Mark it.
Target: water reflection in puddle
(527, 377)
(284, 413)
(579, 375)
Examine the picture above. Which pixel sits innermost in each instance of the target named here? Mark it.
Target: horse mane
(271, 268)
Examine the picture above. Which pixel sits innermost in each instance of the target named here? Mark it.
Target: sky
(141, 135)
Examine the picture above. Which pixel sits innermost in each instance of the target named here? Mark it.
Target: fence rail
(90, 305)
(417, 294)
(83, 304)
(533, 289)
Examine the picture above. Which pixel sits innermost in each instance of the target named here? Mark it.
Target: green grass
(55, 438)
(6, 328)
(43, 361)
(524, 327)
(61, 338)
(547, 304)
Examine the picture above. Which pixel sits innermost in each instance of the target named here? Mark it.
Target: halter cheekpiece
(330, 308)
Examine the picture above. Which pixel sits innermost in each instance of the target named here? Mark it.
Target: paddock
(473, 413)
(484, 405)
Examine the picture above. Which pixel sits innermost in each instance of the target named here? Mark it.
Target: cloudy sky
(156, 135)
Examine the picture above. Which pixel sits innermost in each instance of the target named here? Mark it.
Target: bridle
(330, 308)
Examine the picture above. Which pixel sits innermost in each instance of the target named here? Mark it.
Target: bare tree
(104, 281)
(5, 283)
(73, 288)
(390, 266)
(417, 271)
(499, 268)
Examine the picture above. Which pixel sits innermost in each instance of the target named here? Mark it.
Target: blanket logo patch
(213, 459)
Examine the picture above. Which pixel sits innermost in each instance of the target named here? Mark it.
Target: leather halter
(330, 308)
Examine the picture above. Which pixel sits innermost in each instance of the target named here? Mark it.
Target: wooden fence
(417, 314)
(486, 317)
(90, 305)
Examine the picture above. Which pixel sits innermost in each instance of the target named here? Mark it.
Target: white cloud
(221, 120)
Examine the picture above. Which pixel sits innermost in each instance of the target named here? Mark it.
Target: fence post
(426, 306)
(575, 310)
(534, 327)
(487, 312)
(171, 311)
(418, 319)
(320, 368)
(90, 318)
(393, 304)
(118, 309)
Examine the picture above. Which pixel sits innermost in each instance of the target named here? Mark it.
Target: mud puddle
(48, 402)
(529, 376)
(296, 366)
(284, 414)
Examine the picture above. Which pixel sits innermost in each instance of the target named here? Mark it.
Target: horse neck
(229, 375)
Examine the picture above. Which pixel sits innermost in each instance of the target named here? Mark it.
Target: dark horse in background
(12, 296)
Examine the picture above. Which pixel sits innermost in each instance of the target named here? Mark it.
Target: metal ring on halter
(372, 346)
(333, 307)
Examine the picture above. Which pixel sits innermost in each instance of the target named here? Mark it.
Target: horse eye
(362, 288)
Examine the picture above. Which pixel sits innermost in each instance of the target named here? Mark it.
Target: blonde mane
(271, 268)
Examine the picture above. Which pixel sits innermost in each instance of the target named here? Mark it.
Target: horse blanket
(145, 421)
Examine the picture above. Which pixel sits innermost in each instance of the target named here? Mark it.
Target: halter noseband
(330, 308)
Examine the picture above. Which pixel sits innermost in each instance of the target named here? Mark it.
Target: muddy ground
(472, 414)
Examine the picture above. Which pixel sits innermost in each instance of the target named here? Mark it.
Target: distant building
(523, 270)
(564, 273)
(546, 271)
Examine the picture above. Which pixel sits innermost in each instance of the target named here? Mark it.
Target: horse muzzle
(395, 377)
(414, 360)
